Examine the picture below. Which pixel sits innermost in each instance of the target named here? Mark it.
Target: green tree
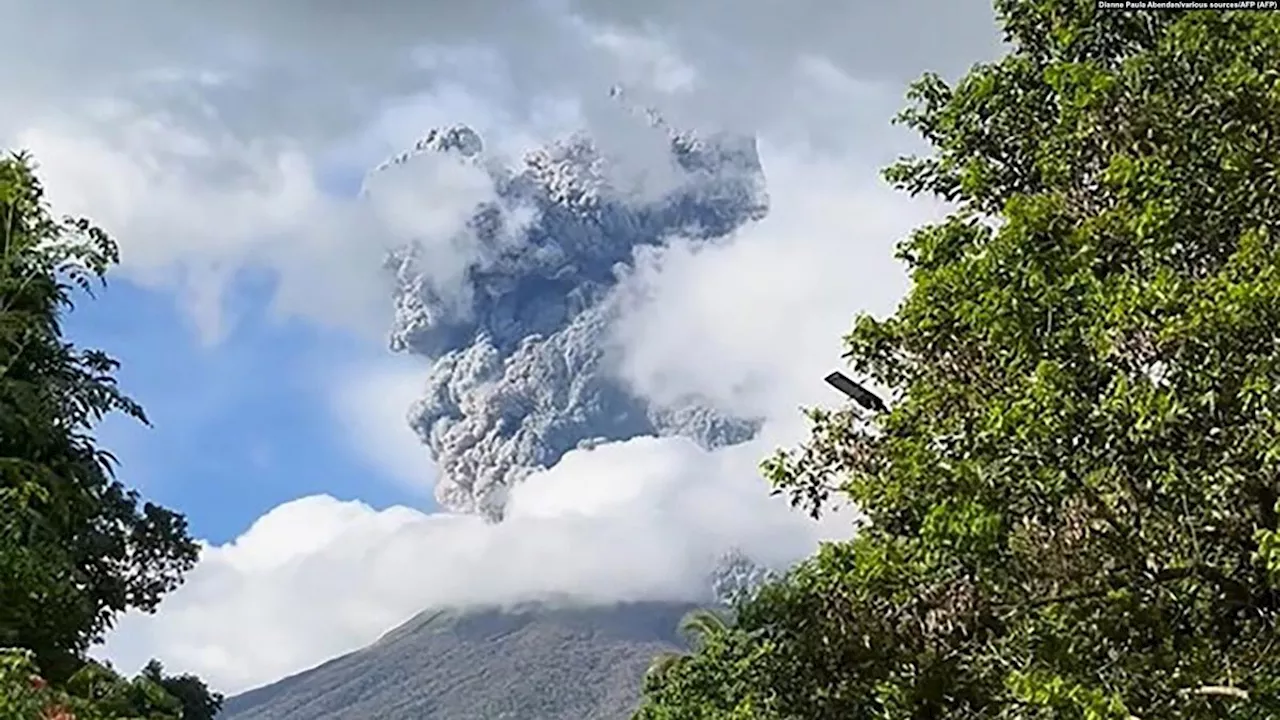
(1072, 502)
(193, 695)
(76, 547)
(99, 687)
(697, 628)
(97, 692)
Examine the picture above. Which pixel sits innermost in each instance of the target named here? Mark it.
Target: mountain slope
(535, 662)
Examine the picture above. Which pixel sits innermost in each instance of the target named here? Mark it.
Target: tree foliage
(193, 696)
(1072, 504)
(76, 546)
(79, 547)
(697, 628)
(97, 692)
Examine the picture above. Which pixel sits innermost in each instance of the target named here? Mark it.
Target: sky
(223, 144)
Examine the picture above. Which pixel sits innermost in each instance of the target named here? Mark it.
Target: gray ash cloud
(521, 370)
(737, 577)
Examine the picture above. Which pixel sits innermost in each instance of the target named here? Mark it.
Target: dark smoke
(521, 368)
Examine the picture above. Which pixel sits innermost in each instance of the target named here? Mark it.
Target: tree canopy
(1071, 503)
(77, 547)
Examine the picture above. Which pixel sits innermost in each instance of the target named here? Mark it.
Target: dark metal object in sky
(856, 392)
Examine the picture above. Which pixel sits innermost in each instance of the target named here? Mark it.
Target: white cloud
(315, 577)
(195, 206)
(372, 404)
(191, 211)
(218, 117)
(647, 61)
(767, 310)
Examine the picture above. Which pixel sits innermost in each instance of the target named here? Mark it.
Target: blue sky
(240, 426)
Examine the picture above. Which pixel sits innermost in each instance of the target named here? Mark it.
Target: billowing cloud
(644, 519)
(194, 210)
(516, 327)
(212, 118)
(766, 311)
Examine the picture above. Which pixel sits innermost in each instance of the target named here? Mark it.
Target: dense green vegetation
(77, 548)
(696, 628)
(1072, 502)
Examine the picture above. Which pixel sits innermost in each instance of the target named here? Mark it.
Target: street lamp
(856, 392)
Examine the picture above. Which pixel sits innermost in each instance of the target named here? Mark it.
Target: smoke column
(516, 333)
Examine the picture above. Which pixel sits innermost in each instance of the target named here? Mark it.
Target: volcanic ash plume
(517, 331)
